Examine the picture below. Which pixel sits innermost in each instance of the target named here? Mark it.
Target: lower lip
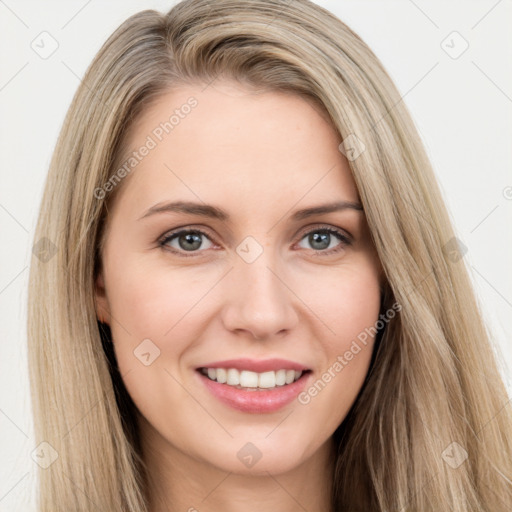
(256, 401)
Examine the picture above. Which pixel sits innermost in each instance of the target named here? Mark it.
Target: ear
(101, 300)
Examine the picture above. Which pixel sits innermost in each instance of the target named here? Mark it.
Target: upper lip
(255, 365)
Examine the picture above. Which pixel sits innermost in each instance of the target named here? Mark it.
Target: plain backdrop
(449, 59)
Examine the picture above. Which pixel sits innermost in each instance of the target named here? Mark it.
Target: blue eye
(320, 240)
(191, 240)
(188, 240)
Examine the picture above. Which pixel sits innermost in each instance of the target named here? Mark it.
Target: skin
(259, 156)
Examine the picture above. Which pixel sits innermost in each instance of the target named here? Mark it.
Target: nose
(260, 301)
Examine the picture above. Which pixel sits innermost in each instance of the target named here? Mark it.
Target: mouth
(253, 381)
(252, 392)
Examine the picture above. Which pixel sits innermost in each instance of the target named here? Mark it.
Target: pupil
(323, 237)
(189, 237)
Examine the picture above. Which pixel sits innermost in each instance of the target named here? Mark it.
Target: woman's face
(253, 279)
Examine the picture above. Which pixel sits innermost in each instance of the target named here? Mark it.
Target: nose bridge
(258, 301)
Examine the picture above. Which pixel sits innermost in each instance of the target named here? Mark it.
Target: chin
(260, 458)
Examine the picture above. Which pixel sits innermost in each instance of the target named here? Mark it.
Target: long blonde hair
(430, 429)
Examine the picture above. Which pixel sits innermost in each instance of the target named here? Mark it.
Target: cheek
(153, 324)
(351, 311)
(355, 325)
(347, 301)
(149, 300)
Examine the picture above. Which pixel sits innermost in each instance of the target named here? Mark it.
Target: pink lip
(254, 365)
(255, 401)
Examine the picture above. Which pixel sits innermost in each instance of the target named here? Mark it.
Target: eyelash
(319, 229)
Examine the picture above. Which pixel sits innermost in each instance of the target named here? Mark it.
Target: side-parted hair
(434, 379)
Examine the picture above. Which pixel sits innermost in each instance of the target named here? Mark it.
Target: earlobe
(100, 300)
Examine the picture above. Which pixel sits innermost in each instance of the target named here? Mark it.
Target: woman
(256, 301)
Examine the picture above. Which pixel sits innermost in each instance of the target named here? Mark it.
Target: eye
(186, 240)
(323, 239)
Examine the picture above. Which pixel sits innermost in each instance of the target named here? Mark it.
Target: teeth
(280, 377)
(267, 380)
(248, 379)
(221, 374)
(233, 377)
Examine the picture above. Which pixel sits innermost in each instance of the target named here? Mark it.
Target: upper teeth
(247, 379)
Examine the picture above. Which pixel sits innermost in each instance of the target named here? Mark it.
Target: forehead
(226, 143)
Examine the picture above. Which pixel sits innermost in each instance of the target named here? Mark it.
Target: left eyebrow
(214, 212)
(327, 208)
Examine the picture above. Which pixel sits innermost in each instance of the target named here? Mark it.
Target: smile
(246, 379)
(243, 392)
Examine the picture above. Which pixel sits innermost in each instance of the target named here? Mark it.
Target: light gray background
(462, 109)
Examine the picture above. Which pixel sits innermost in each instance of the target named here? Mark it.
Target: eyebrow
(214, 212)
